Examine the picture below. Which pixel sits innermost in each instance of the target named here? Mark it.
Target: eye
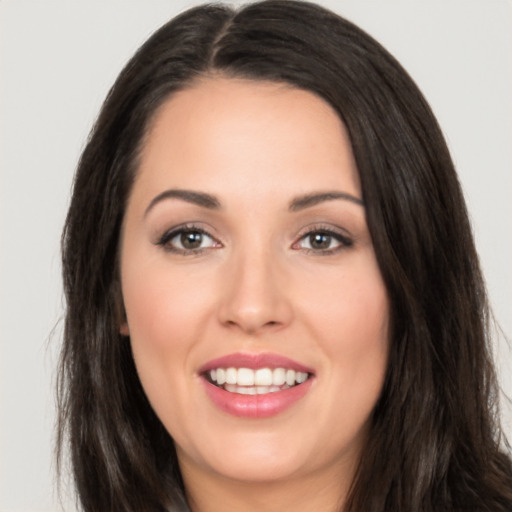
(187, 240)
(323, 241)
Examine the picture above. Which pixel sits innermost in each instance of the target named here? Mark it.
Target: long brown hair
(434, 440)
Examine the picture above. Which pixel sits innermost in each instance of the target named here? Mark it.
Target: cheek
(351, 322)
(349, 305)
(163, 306)
(165, 311)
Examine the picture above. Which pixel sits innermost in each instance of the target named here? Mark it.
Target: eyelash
(164, 241)
(344, 241)
(168, 236)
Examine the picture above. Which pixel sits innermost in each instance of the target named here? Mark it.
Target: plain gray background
(57, 61)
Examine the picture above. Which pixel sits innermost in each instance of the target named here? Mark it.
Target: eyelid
(345, 239)
(164, 239)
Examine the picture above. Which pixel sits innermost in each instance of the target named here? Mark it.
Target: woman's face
(246, 258)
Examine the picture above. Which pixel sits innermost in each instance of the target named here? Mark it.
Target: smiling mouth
(246, 381)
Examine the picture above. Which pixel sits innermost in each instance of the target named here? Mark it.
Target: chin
(258, 467)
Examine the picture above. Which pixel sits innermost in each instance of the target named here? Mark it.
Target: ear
(124, 330)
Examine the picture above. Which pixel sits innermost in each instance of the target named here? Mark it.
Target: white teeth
(231, 376)
(221, 376)
(263, 377)
(253, 390)
(246, 390)
(256, 382)
(278, 376)
(245, 377)
(301, 377)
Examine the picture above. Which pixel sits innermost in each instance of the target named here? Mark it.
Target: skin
(256, 285)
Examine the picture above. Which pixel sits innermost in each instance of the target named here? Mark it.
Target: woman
(273, 296)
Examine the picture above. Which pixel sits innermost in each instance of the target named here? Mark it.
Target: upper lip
(254, 361)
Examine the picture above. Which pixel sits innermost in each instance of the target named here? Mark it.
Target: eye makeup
(323, 240)
(187, 239)
(192, 239)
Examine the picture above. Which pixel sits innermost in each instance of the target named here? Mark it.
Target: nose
(254, 297)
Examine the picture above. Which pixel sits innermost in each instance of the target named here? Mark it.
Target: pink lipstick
(255, 385)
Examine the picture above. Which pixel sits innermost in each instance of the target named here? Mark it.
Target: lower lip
(256, 406)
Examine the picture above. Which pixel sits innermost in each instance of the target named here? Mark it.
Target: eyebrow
(212, 203)
(198, 198)
(309, 200)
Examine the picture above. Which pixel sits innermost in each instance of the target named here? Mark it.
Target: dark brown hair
(435, 440)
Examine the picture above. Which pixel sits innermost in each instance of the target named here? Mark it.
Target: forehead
(231, 133)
